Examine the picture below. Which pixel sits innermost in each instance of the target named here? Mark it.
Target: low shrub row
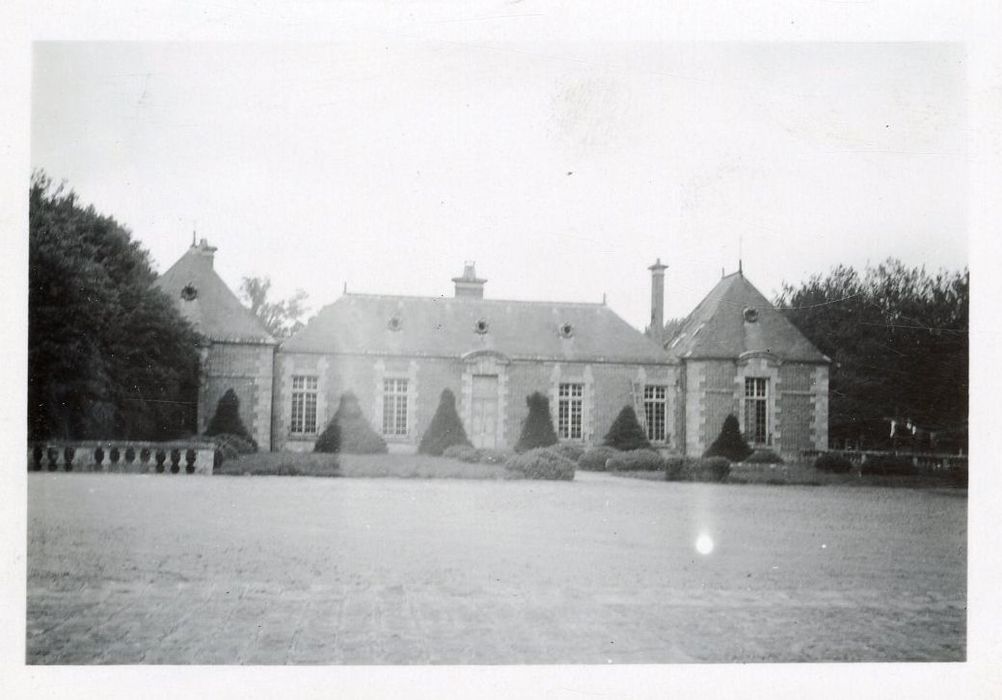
(476, 455)
(715, 469)
(540, 463)
(282, 464)
(834, 463)
(636, 461)
(763, 456)
(595, 458)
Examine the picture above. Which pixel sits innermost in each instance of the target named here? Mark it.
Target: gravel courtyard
(127, 569)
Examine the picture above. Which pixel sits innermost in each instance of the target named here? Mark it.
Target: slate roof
(446, 327)
(215, 311)
(717, 327)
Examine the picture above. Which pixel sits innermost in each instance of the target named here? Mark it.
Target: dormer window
(566, 330)
(750, 314)
(188, 292)
(481, 327)
(395, 324)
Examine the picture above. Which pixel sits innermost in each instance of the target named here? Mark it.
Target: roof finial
(740, 241)
(192, 236)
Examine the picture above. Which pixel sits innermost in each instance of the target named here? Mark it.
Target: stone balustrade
(182, 457)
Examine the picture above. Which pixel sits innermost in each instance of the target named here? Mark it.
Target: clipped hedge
(284, 464)
(834, 463)
(445, 429)
(636, 461)
(226, 419)
(329, 441)
(887, 465)
(729, 444)
(569, 450)
(595, 458)
(626, 433)
(537, 428)
(464, 453)
(763, 456)
(714, 469)
(492, 456)
(357, 436)
(540, 463)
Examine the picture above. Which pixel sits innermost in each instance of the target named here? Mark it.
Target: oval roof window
(566, 330)
(751, 315)
(395, 324)
(481, 326)
(188, 292)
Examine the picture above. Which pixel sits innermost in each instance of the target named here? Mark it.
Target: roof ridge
(465, 300)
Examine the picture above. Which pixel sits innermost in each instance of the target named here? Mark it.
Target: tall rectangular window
(656, 412)
(570, 407)
(304, 405)
(395, 407)
(756, 409)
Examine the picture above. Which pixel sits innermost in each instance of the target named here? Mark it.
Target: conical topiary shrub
(537, 429)
(330, 439)
(625, 433)
(357, 436)
(226, 419)
(445, 429)
(729, 443)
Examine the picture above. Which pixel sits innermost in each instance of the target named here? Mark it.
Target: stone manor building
(735, 353)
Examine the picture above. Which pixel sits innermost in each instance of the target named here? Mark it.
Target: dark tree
(537, 428)
(281, 318)
(357, 436)
(730, 443)
(226, 420)
(109, 356)
(898, 341)
(625, 433)
(445, 429)
(330, 439)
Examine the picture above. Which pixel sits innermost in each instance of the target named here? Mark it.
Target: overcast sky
(563, 170)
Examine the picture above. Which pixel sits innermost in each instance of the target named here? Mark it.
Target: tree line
(109, 355)
(898, 340)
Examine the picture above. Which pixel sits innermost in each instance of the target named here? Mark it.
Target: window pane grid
(656, 411)
(756, 409)
(570, 409)
(303, 419)
(395, 407)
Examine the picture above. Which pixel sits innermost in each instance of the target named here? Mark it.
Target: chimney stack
(657, 328)
(469, 285)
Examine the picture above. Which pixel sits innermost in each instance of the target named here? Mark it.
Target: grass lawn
(125, 569)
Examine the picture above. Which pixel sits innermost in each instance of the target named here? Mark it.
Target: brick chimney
(204, 250)
(657, 327)
(469, 285)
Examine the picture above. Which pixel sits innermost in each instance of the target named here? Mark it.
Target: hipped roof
(215, 312)
(717, 328)
(447, 327)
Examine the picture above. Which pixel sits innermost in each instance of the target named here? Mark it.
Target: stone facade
(397, 354)
(607, 388)
(247, 369)
(797, 404)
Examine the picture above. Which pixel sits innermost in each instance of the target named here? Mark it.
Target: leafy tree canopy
(281, 318)
(898, 341)
(109, 356)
